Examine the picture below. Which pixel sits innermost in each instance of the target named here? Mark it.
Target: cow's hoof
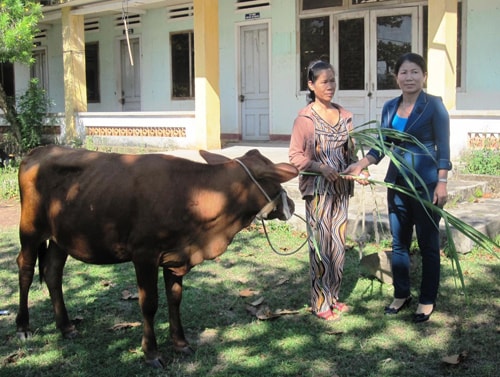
(24, 335)
(157, 363)
(187, 350)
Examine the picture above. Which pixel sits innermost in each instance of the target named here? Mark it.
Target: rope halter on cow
(271, 206)
(272, 203)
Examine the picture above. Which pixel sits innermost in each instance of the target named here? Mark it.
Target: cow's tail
(42, 253)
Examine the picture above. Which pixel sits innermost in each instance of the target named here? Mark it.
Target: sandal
(328, 315)
(340, 307)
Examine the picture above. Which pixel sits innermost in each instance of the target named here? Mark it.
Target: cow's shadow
(212, 303)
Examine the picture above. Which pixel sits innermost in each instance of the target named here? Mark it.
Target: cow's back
(101, 206)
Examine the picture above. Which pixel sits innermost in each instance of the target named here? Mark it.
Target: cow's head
(267, 177)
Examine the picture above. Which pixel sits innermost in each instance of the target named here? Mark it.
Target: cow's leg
(147, 282)
(51, 267)
(26, 261)
(173, 287)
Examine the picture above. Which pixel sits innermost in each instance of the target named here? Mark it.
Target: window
(352, 54)
(7, 78)
(92, 72)
(252, 4)
(314, 44)
(316, 4)
(355, 2)
(182, 48)
(38, 69)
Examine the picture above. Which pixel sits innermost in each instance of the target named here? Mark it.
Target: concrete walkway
(369, 202)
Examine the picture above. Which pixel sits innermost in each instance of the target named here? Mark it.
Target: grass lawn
(229, 341)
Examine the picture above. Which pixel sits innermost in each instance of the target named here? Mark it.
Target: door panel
(254, 85)
(130, 75)
(368, 44)
(352, 34)
(393, 33)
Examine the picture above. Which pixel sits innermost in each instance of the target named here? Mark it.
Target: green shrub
(32, 109)
(8, 182)
(484, 161)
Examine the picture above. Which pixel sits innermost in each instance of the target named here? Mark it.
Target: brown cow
(153, 210)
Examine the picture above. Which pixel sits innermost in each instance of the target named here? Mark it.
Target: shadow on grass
(231, 342)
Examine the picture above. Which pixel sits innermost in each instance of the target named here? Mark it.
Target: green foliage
(18, 25)
(32, 113)
(484, 161)
(32, 110)
(8, 182)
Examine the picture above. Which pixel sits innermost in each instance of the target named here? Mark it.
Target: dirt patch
(10, 212)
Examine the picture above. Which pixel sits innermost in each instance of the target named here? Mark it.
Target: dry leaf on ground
(124, 325)
(282, 281)
(13, 357)
(107, 283)
(265, 313)
(248, 292)
(127, 295)
(257, 302)
(455, 359)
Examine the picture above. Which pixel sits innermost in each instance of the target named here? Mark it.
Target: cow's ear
(213, 158)
(286, 171)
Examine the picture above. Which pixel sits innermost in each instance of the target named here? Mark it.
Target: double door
(368, 45)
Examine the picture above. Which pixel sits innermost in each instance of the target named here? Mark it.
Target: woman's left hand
(440, 194)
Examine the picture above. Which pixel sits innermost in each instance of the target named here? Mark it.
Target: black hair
(413, 58)
(313, 71)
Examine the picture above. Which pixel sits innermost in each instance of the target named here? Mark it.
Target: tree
(18, 26)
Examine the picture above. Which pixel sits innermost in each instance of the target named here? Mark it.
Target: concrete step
(368, 207)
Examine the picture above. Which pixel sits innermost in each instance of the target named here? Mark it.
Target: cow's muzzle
(281, 204)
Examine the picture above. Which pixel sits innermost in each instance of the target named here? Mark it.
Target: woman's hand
(357, 172)
(353, 171)
(329, 173)
(440, 194)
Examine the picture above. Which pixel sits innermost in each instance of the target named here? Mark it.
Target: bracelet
(442, 180)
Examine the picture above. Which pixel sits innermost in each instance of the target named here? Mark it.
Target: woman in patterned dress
(319, 148)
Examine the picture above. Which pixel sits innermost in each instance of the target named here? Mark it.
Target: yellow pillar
(75, 89)
(206, 56)
(442, 54)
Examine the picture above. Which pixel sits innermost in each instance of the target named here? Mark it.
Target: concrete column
(442, 54)
(75, 86)
(206, 56)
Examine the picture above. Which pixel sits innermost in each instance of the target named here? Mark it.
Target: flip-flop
(328, 315)
(341, 307)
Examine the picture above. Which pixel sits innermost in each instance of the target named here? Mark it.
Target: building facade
(193, 74)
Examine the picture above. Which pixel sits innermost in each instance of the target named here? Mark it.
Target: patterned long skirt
(327, 219)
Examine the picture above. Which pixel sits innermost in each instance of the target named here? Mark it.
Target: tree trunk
(10, 115)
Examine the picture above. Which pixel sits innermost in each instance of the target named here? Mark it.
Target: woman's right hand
(329, 173)
(353, 171)
(356, 170)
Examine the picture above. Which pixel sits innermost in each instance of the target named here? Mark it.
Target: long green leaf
(383, 141)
